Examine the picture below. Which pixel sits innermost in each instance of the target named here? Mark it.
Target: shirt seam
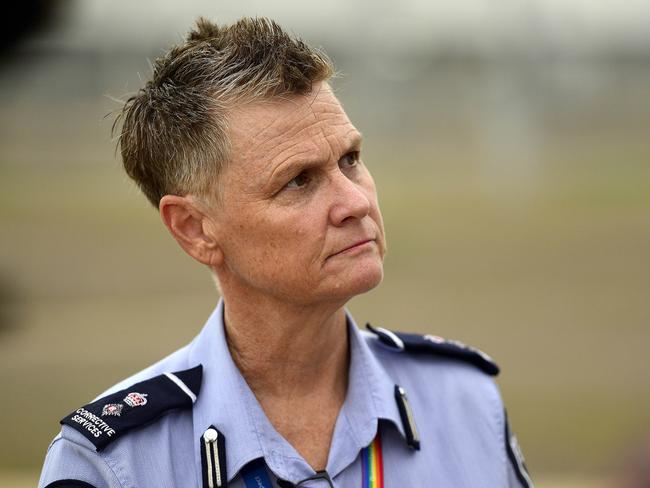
(112, 465)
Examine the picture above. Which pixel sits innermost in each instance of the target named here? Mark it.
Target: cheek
(288, 242)
(303, 237)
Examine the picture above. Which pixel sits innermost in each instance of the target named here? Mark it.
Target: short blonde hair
(173, 135)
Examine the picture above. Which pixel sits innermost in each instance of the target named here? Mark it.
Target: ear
(189, 223)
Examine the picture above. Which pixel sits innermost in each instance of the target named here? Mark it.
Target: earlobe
(190, 226)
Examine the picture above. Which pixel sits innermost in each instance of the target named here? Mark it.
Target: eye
(299, 181)
(350, 160)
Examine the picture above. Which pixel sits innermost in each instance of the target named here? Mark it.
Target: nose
(349, 200)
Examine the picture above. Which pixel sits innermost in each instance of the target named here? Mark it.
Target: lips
(356, 244)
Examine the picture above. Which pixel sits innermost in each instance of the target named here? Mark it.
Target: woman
(257, 173)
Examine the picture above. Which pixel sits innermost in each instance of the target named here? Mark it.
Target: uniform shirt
(456, 407)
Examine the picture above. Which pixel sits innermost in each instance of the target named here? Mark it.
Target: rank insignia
(435, 338)
(435, 345)
(114, 409)
(135, 399)
(461, 345)
(108, 418)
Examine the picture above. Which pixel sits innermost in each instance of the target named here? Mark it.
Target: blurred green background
(510, 144)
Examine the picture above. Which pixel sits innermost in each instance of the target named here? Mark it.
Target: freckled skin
(281, 241)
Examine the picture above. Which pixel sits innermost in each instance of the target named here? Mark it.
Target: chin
(360, 280)
(341, 284)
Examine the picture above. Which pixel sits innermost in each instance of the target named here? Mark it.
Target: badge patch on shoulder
(431, 344)
(106, 419)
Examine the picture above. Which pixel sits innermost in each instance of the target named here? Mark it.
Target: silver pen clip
(408, 420)
(211, 447)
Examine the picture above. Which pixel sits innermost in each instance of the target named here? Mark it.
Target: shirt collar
(227, 402)
(370, 398)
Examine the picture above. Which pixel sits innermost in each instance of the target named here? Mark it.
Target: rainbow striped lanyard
(372, 465)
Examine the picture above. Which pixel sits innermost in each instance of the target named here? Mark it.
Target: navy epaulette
(106, 419)
(430, 344)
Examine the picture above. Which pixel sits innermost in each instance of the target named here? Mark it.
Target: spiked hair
(173, 134)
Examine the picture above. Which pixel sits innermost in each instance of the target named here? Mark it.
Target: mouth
(354, 246)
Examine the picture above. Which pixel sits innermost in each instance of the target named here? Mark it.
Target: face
(298, 219)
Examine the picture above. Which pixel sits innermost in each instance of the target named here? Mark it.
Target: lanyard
(372, 465)
(372, 469)
(255, 475)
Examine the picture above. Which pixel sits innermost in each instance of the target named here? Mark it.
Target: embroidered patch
(108, 418)
(135, 399)
(432, 344)
(461, 345)
(435, 338)
(114, 409)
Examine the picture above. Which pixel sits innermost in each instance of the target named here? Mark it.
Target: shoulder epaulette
(110, 417)
(430, 344)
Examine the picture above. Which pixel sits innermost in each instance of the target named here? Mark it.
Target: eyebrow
(304, 160)
(354, 141)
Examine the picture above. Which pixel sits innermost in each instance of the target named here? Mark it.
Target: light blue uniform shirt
(456, 406)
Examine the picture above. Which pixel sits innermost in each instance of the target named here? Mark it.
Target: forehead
(277, 129)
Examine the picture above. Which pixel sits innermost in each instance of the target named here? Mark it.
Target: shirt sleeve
(69, 464)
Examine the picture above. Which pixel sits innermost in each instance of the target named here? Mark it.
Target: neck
(295, 360)
(289, 351)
